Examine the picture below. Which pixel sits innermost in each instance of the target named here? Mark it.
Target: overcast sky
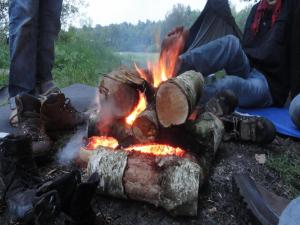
(105, 12)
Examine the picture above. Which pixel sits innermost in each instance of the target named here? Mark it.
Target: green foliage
(80, 58)
(144, 36)
(241, 16)
(288, 166)
(4, 54)
(180, 15)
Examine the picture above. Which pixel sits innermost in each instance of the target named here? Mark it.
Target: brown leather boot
(30, 123)
(59, 114)
(262, 207)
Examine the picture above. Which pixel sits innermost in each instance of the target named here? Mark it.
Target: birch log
(119, 92)
(170, 182)
(177, 97)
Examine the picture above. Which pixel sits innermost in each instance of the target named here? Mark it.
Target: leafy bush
(81, 58)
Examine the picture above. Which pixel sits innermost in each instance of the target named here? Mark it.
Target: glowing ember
(141, 106)
(164, 69)
(153, 149)
(157, 149)
(95, 142)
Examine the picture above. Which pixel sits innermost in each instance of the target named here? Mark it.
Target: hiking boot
(59, 114)
(75, 197)
(30, 123)
(260, 205)
(47, 88)
(246, 128)
(20, 177)
(224, 103)
(80, 211)
(65, 186)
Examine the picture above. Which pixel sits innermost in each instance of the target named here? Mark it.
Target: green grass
(80, 60)
(287, 165)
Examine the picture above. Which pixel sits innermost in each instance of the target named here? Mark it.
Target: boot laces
(235, 131)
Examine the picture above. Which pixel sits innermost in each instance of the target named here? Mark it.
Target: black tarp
(215, 21)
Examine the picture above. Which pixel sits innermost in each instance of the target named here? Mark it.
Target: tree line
(146, 36)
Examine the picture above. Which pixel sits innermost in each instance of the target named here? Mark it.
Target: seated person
(261, 69)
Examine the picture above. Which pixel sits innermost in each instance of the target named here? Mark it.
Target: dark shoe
(20, 177)
(30, 123)
(59, 114)
(47, 208)
(65, 186)
(80, 211)
(248, 128)
(47, 88)
(260, 205)
(224, 103)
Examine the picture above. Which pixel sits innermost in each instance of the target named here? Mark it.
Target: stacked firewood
(169, 181)
(168, 106)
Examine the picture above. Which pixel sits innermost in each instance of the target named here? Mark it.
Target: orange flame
(152, 149)
(95, 142)
(157, 149)
(141, 106)
(165, 68)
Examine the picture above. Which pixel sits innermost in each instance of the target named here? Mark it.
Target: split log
(170, 182)
(119, 92)
(177, 97)
(145, 127)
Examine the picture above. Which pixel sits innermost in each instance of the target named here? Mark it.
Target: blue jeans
(295, 110)
(33, 27)
(249, 85)
(291, 215)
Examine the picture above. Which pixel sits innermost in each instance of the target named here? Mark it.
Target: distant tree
(180, 15)
(241, 16)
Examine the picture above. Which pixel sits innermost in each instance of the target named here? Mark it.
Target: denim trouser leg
(295, 110)
(291, 215)
(252, 91)
(49, 27)
(23, 16)
(249, 85)
(223, 53)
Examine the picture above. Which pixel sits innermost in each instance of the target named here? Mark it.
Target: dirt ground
(216, 201)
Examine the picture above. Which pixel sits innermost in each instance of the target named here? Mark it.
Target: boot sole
(251, 203)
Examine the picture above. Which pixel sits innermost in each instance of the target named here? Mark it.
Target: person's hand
(176, 30)
(177, 37)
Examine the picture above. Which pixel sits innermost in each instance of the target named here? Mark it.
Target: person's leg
(295, 110)
(291, 215)
(223, 53)
(251, 92)
(49, 27)
(23, 16)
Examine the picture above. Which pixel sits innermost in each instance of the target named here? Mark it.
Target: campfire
(141, 140)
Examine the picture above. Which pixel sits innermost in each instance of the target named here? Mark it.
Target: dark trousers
(33, 27)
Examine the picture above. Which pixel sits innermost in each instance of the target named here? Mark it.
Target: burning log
(99, 125)
(167, 181)
(145, 127)
(177, 97)
(119, 92)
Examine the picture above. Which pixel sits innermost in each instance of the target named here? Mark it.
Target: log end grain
(172, 106)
